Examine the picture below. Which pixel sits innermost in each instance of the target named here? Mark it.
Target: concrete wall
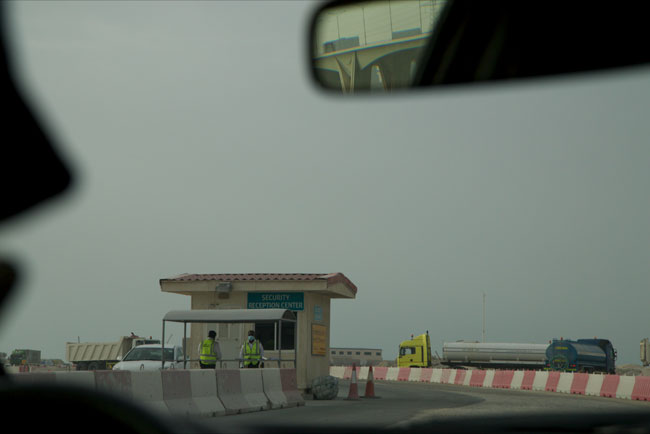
(206, 393)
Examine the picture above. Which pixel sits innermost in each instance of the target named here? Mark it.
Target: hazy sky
(201, 146)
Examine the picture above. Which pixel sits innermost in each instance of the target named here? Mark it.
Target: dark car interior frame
(478, 41)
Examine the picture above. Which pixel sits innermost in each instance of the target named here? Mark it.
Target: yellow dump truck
(102, 355)
(415, 352)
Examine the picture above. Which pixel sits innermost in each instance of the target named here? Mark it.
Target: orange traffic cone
(354, 391)
(370, 385)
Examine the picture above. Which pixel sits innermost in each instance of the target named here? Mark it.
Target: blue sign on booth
(276, 300)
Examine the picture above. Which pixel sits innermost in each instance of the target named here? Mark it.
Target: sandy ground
(631, 369)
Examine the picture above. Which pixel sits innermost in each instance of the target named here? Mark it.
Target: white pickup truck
(148, 357)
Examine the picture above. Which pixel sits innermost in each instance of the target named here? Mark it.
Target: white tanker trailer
(494, 355)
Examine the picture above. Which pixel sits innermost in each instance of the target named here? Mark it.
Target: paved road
(405, 404)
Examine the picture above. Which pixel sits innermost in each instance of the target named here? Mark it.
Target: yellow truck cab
(415, 353)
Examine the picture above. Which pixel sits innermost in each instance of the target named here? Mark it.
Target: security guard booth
(307, 295)
(276, 317)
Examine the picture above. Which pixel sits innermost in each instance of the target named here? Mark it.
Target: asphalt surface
(408, 404)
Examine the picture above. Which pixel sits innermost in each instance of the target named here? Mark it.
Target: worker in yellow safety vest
(251, 352)
(209, 351)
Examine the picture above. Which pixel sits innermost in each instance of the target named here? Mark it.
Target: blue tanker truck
(583, 355)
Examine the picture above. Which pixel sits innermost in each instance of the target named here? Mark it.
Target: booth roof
(229, 315)
(331, 278)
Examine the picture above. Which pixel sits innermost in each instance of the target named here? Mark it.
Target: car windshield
(210, 173)
(141, 353)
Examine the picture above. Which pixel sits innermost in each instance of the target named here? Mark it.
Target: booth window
(266, 333)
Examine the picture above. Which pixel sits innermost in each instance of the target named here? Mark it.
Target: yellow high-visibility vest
(208, 357)
(251, 354)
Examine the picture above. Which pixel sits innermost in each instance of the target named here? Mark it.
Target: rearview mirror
(386, 45)
(374, 46)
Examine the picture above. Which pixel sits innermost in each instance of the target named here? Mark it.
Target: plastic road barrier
(611, 386)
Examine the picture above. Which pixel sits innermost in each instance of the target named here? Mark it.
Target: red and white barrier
(489, 377)
(564, 382)
(392, 374)
(380, 372)
(337, 371)
(403, 374)
(414, 375)
(579, 384)
(528, 380)
(503, 379)
(552, 381)
(612, 386)
(625, 387)
(540, 381)
(459, 379)
(425, 375)
(517, 380)
(641, 389)
(362, 373)
(594, 385)
(477, 378)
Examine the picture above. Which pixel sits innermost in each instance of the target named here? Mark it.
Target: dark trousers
(204, 366)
